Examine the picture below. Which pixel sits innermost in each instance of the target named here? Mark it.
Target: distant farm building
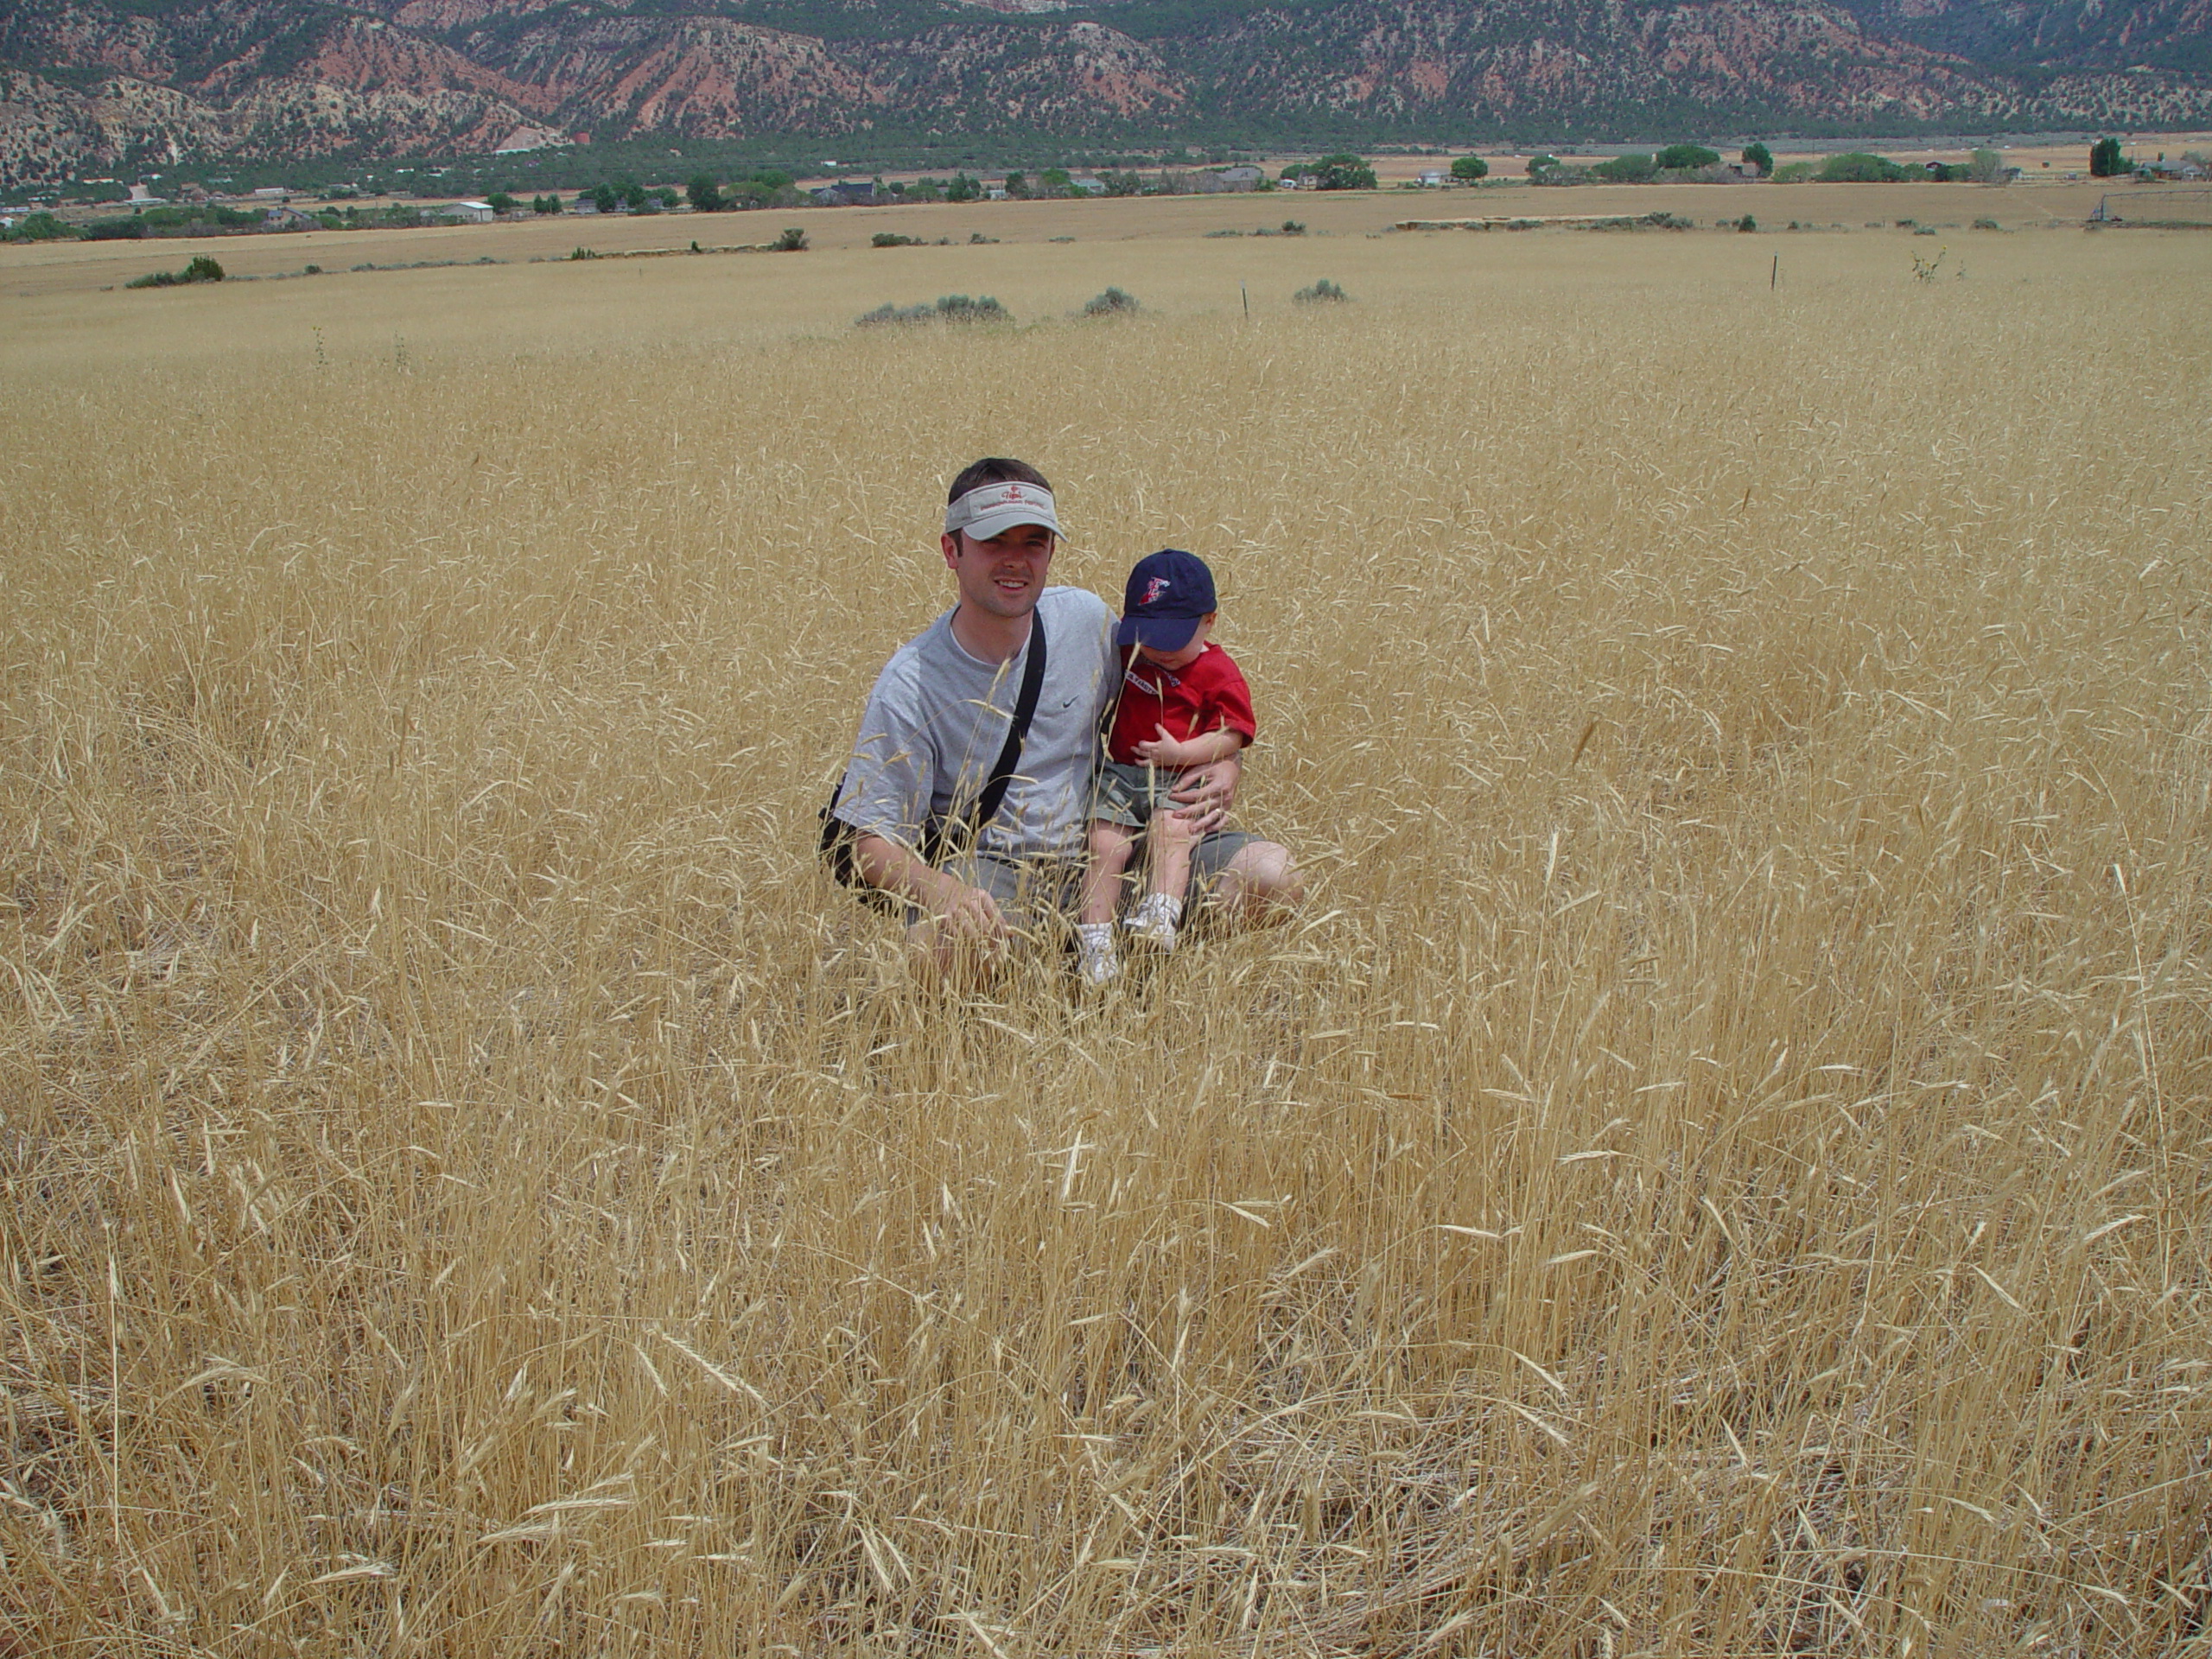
(1213, 180)
(468, 213)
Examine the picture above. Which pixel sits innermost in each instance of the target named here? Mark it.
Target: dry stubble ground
(1717, 1168)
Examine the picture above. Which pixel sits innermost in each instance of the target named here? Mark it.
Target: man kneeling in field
(969, 786)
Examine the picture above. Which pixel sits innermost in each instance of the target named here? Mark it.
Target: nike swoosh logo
(1069, 703)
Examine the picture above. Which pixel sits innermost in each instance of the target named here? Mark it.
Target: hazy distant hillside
(109, 84)
(2174, 35)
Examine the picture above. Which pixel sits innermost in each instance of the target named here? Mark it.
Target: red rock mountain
(98, 86)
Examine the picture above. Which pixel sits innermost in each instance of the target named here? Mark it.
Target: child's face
(1171, 660)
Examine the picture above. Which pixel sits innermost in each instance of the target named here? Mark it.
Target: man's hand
(963, 913)
(1204, 793)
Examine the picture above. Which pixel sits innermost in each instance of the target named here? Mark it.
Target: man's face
(1004, 575)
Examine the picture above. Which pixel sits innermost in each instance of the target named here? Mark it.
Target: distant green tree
(501, 202)
(1686, 158)
(603, 198)
(1057, 180)
(546, 204)
(40, 227)
(1470, 168)
(1858, 166)
(1343, 171)
(793, 240)
(962, 188)
(706, 196)
(1540, 164)
(1985, 166)
(2105, 160)
(1128, 182)
(1017, 185)
(1759, 156)
(1635, 168)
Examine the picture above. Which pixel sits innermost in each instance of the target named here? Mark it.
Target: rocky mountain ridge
(94, 86)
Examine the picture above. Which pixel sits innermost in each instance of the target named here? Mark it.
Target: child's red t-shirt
(1206, 695)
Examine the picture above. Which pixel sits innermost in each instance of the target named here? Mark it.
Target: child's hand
(1163, 750)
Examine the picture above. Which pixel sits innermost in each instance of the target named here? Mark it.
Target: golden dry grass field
(1717, 1167)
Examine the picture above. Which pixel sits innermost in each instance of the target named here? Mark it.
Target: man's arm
(960, 910)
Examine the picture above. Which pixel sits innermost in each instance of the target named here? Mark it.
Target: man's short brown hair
(994, 469)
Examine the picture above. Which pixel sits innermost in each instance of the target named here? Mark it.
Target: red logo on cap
(1013, 493)
(1154, 588)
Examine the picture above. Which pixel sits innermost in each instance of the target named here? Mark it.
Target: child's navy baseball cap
(1168, 593)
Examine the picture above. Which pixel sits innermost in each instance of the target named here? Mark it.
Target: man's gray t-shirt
(937, 719)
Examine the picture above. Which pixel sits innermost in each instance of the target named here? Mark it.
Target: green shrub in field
(958, 307)
(114, 230)
(894, 313)
(1988, 225)
(1747, 223)
(1470, 168)
(793, 240)
(1114, 302)
(1324, 292)
(949, 308)
(892, 240)
(200, 269)
(1686, 158)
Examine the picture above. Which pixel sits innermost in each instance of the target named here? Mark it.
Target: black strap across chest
(941, 835)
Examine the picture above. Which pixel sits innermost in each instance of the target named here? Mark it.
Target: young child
(1183, 703)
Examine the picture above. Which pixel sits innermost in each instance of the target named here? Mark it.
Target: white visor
(993, 509)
